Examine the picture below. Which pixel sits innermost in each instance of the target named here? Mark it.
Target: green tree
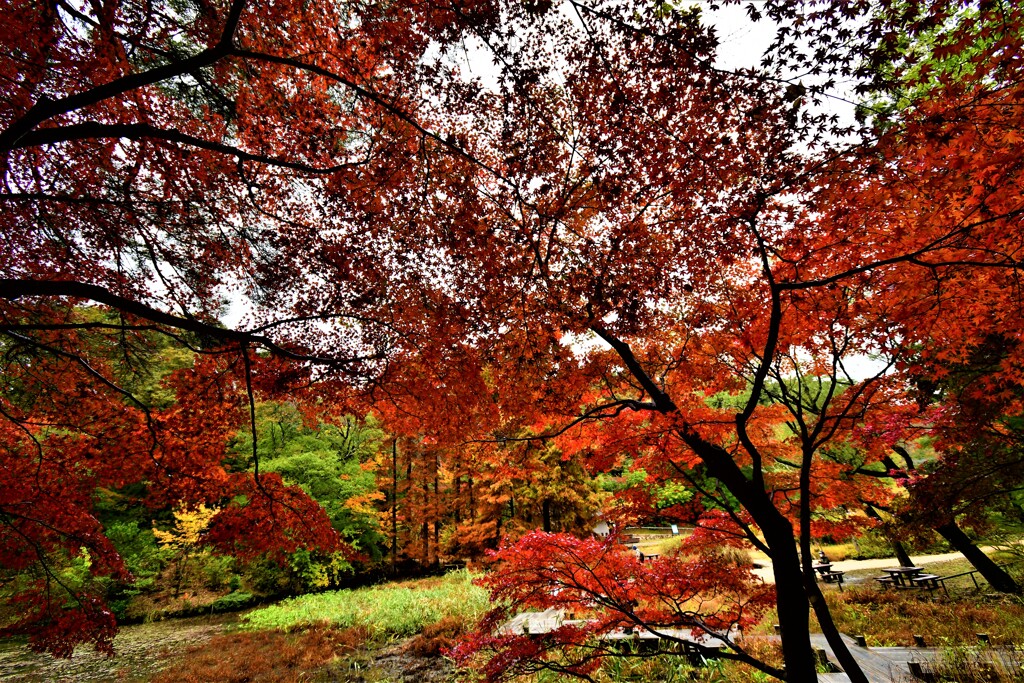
(328, 461)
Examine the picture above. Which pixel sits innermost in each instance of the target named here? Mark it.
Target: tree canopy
(587, 246)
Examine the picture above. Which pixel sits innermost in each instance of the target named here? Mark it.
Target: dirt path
(141, 650)
(765, 572)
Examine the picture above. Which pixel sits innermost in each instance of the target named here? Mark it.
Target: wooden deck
(537, 623)
(890, 664)
(879, 664)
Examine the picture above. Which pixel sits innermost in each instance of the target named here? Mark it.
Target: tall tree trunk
(832, 634)
(902, 555)
(458, 500)
(437, 511)
(811, 588)
(546, 510)
(394, 505)
(425, 511)
(901, 551)
(993, 573)
(793, 613)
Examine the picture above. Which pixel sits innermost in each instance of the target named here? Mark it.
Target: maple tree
(148, 166)
(185, 538)
(604, 586)
(416, 239)
(977, 468)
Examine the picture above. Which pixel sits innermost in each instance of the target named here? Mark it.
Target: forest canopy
(610, 255)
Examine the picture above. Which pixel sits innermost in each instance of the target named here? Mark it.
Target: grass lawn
(397, 609)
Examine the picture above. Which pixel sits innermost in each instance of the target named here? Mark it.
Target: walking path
(892, 664)
(766, 573)
(879, 664)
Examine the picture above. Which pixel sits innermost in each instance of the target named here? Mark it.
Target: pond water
(140, 651)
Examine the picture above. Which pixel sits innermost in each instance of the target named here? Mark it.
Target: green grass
(660, 546)
(396, 609)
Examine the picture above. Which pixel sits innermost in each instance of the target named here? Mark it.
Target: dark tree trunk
(792, 599)
(832, 635)
(546, 510)
(793, 613)
(437, 511)
(993, 573)
(425, 525)
(902, 555)
(458, 500)
(811, 588)
(901, 552)
(394, 505)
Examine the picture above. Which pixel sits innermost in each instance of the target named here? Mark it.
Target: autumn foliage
(607, 250)
(602, 587)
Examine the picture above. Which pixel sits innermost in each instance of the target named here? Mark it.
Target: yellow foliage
(366, 503)
(189, 526)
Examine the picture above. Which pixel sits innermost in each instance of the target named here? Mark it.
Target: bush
(738, 556)
(217, 570)
(233, 602)
(266, 576)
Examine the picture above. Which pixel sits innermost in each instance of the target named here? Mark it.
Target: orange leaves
(273, 519)
(603, 586)
(57, 629)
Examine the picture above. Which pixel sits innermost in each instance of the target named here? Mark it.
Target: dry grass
(439, 637)
(893, 617)
(265, 656)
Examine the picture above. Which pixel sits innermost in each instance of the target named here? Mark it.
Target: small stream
(140, 651)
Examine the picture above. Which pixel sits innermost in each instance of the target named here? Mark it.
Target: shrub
(217, 570)
(232, 602)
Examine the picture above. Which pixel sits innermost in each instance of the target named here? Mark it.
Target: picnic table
(900, 577)
(824, 570)
(933, 581)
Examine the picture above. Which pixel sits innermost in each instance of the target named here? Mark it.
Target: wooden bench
(833, 577)
(933, 581)
(944, 579)
(929, 581)
(885, 581)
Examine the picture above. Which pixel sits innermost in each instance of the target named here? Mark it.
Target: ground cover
(392, 632)
(893, 618)
(265, 656)
(399, 631)
(391, 610)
